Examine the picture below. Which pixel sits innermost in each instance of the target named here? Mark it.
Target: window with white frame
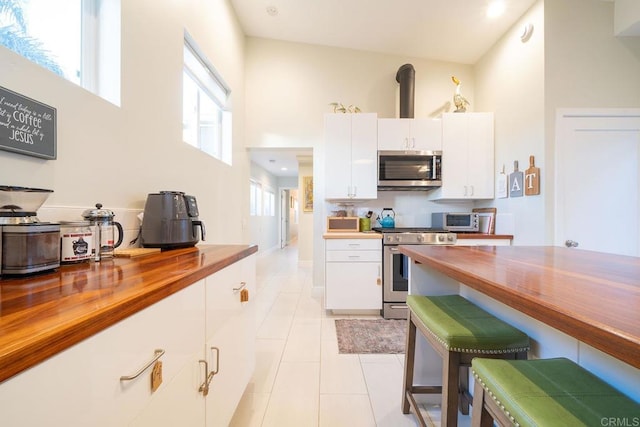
(269, 203)
(206, 112)
(255, 198)
(79, 41)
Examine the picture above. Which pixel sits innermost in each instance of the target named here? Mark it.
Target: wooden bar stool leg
(463, 390)
(409, 360)
(479, 415)
(450, 380)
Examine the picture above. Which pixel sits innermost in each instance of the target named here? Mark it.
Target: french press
(104, 232)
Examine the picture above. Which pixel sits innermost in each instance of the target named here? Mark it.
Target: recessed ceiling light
(495, 9)
(272, 10)
(283, 169)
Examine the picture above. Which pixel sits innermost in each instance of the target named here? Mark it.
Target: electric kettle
(104, 231)
(387, 221)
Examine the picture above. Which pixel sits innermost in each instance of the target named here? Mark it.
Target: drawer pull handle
(204, 387)
(242, 285)
(157, 355)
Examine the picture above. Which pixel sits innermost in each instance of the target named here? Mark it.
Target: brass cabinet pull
(204, 387)
(157, 355)
(242, 285)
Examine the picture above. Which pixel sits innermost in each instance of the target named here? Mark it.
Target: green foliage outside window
(14, 36)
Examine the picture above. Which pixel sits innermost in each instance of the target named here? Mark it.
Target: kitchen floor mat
(365, 336)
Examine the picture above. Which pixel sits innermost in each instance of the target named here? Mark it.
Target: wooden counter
(594, 297)
(352, 235)
(469, 236)
(42, 315)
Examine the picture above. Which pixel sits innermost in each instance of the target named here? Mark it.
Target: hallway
(300, 378)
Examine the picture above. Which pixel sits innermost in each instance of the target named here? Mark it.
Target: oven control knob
(420, 238)
(440, 238)
(450, 238)
(397, 238)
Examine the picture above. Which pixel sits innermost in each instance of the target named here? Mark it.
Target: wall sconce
(527, 30)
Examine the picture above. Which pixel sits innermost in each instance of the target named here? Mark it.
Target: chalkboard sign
(26, 125)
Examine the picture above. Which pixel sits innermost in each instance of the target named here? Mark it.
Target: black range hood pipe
(406, 76)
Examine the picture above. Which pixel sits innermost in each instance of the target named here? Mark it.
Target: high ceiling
(447, 30)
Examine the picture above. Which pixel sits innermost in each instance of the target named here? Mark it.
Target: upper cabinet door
(351, 156)
(364, 156)
(337, 137)
(393, 134)
(467, 157)
(426, 134)
(410, 134)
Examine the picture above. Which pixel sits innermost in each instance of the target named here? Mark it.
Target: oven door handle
(394, 249)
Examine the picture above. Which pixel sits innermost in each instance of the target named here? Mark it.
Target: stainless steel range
(395, 266)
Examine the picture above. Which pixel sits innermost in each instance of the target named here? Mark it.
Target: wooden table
(594, 297)
(41, 315)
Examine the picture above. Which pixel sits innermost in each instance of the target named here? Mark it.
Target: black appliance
(170, 221)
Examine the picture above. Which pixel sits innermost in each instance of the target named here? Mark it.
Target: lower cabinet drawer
(353, 244)
(354, 256)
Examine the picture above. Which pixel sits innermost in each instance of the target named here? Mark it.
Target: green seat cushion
(553, 392)
(462, 326)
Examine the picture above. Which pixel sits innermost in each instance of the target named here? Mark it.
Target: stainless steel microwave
(409, 170)
(456, 221)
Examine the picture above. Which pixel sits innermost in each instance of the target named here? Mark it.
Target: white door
(598, 179)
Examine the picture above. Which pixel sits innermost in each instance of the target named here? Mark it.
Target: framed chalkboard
(27, 126)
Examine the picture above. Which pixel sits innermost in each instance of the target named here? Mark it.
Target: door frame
(284, 214)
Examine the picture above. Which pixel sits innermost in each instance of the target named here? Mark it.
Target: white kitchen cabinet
(81, 386)
(410, 134)
(230, 338)
(353, 274)
(351, 146)
(467, 157)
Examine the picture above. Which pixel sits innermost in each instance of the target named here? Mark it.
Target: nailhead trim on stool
(546, 392)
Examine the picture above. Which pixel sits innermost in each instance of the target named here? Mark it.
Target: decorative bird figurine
(458, 100)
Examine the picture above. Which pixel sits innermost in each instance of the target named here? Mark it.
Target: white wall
(585, 66)
(291, 85)
(117, 155)
(510, 82)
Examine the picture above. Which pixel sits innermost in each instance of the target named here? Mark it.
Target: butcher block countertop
(463, 236)
(352, 235)
(594, 297)
(42, 315)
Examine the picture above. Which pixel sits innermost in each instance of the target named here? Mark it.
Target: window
(80, 41)
(269, 203)
(255, 198)
(206, 115)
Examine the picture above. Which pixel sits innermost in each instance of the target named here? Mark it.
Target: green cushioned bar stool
(458, 330)
(546, 392)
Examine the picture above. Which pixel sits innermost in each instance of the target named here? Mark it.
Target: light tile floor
(300, 379)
